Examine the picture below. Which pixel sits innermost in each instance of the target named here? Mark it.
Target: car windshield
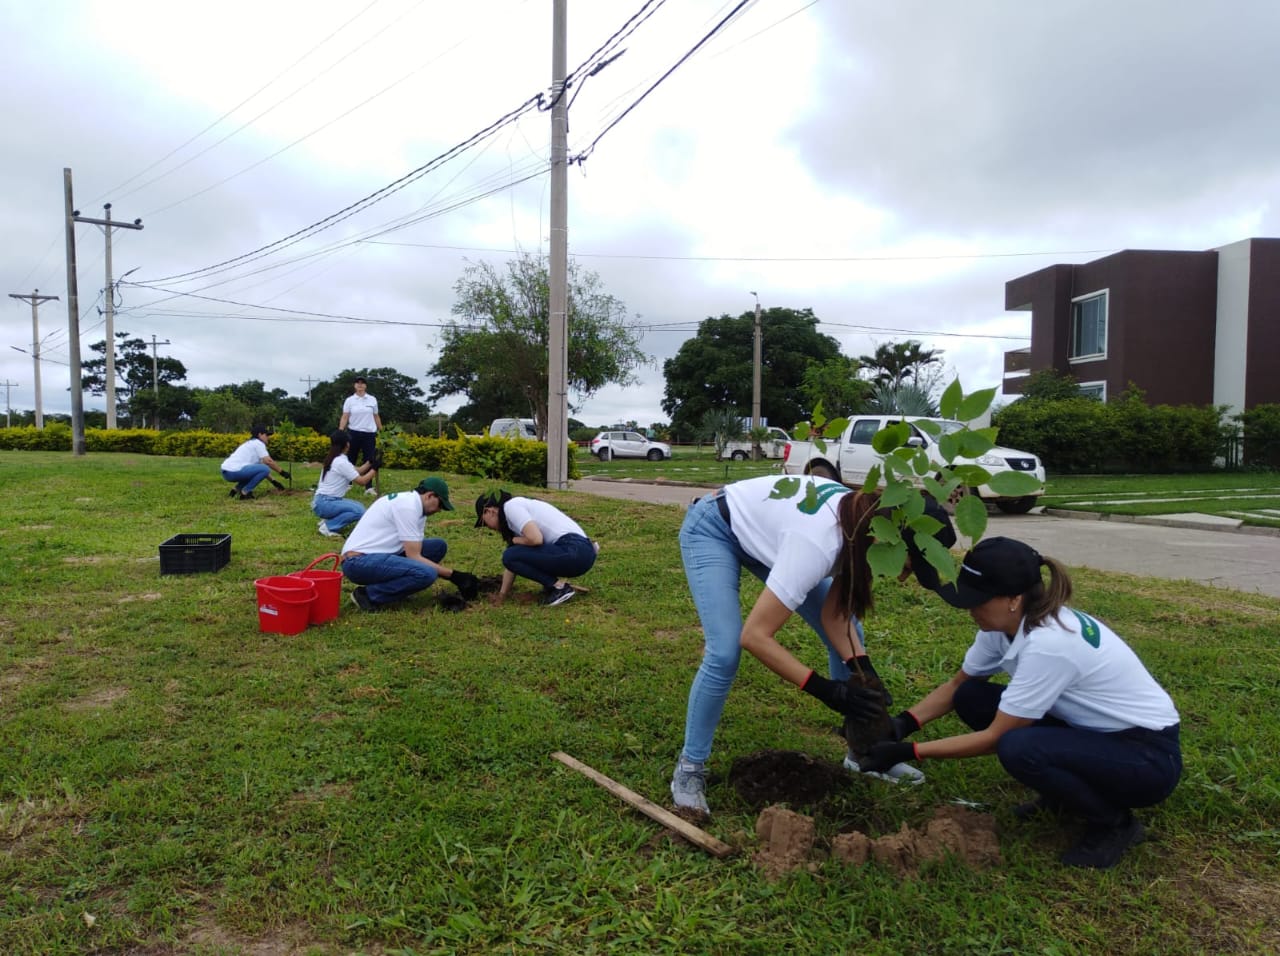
(947, 425)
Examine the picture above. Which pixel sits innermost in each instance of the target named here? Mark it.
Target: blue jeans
(388, 578)
(713, 564)
(568, 557)
(1100, 776)
(337, 512)
(248, 477)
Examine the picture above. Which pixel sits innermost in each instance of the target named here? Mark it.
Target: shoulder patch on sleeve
(1088, 628)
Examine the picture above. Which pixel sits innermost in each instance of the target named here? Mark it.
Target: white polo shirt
(798, 548)
(550, 520)
(247, 453)
(1076, 669)
(337, 480)
(390, 521)
(360, 410)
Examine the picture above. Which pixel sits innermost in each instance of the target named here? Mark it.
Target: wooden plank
(650, 809)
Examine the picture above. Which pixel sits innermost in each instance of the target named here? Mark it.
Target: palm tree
(895, 362)
(905, 398)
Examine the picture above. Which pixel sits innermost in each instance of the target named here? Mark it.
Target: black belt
(723, 507)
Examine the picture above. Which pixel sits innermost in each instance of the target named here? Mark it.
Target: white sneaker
(898, 773)
(370, 492)
(324, 530)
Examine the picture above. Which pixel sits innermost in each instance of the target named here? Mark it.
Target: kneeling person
(387, 556)
(543, 544)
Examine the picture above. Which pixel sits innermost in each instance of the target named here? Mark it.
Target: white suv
(608, 445)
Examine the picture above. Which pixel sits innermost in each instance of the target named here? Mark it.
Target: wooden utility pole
(155, 365)
(35, 298)
(308, 380)
(558, 331)
(73, 321)
(107, 226)
(755, 384)
(8, 408)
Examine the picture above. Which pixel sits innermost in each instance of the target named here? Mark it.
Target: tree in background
(721, 426)
(904, 398)
(714, 368)
(497, 354)
(133, 371)
(835, 385)
(221, 411)
(1050, 385)
(897, 362)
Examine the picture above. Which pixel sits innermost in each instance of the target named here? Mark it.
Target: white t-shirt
(1077, 670)
(338, 478)
(248, 453)
(390, 521)
(551, 521)
(799, 549)
(360, 411)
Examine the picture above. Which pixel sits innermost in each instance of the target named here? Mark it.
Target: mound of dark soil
(785, 776)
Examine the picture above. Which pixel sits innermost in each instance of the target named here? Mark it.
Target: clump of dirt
(860, 734)
(968, 835)
(785, 776)
(786, 841)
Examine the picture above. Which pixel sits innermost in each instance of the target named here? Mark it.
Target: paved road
(1239, 560)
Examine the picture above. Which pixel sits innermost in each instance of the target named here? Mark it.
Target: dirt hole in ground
(786, 776)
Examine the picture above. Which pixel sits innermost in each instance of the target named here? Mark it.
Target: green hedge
(502, 459)
(1084, 436)
(1261, 427)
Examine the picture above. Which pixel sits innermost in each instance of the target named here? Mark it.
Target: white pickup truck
(850, 457)
(775, 446)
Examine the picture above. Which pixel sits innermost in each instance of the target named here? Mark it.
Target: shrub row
(1084, 436)
(501, 459)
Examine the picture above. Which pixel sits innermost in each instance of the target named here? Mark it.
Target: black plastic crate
(191, 553)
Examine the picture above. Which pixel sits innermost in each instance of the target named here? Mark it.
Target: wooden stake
(650, 809)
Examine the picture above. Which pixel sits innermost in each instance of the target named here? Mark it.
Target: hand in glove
(376, 463)
(288, 475)
(904, 725)
(852, 700)
(468, 585)
(886, 754)
(276, 484)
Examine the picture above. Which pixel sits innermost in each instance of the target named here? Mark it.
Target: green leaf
(929, 427)
(971, 517)
(873, 477)
(882, 529)
(835, 428)
(974, 444)
(913, 507)
(934, 488)
(887, 560)
(896, 465)
(921, 464)
(818, 418)
(949, 446)
(975, 405)
(971, 476)
(937, 554)
(949, 404)
(891, 437)
(1014, 484)
(801, 432)
(922, 524)
(785, 488)
(895, 493)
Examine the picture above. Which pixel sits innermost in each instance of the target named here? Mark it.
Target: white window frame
(1099, 387)
(1105, 296)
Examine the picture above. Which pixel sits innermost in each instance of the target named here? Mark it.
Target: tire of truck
(822, 470)
(654, 454)
(739, 456)
(1017, 506)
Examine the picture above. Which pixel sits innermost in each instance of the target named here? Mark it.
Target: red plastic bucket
(284, 604)
(328, 588)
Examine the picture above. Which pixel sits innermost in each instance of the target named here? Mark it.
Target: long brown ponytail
(852, 577)
(1044, 601)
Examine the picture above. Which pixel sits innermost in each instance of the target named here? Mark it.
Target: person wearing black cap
(811, 554)
(386, 555)
(360, 419)
(250, 463)
(543, 544)
(1081, 721)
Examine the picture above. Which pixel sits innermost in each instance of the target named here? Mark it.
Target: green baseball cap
(438, 488)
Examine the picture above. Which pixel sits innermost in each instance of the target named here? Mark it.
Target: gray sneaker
(689, 786)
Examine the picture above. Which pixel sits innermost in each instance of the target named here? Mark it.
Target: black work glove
(852, 700)
(275, 484)
(468, 585)
(377, 461)
(886, 754)
(286, 474)
(904, 725)
(861, 663)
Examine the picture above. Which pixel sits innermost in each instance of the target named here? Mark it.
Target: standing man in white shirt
(360, 419)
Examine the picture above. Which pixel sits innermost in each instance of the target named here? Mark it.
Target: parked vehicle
(513, 428)
(628, 444)
(775, 446)
(849, 458)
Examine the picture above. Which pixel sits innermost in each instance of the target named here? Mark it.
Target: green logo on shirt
(1088, 628)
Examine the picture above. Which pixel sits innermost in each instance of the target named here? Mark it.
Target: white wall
(1232, 331)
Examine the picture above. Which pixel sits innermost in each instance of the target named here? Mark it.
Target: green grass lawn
(172, 780)
(1253, 497)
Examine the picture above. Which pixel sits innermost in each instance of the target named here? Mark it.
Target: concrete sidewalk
(1242, 559)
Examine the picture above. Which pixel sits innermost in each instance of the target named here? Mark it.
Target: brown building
(1185, 327)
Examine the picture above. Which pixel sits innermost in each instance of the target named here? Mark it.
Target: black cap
(261, 429)
(996, 567)
(484, 501)
(925, 572)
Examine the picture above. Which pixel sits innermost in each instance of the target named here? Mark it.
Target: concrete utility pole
(755, 383)
(73, 321)
(8, 409)
(308, 380)
(35, 298)
(558, 277)
(107, 226)
(155, 364)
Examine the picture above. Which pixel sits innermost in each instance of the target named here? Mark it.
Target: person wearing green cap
(387, 557)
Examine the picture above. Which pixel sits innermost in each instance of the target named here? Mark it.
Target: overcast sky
(889, 165)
